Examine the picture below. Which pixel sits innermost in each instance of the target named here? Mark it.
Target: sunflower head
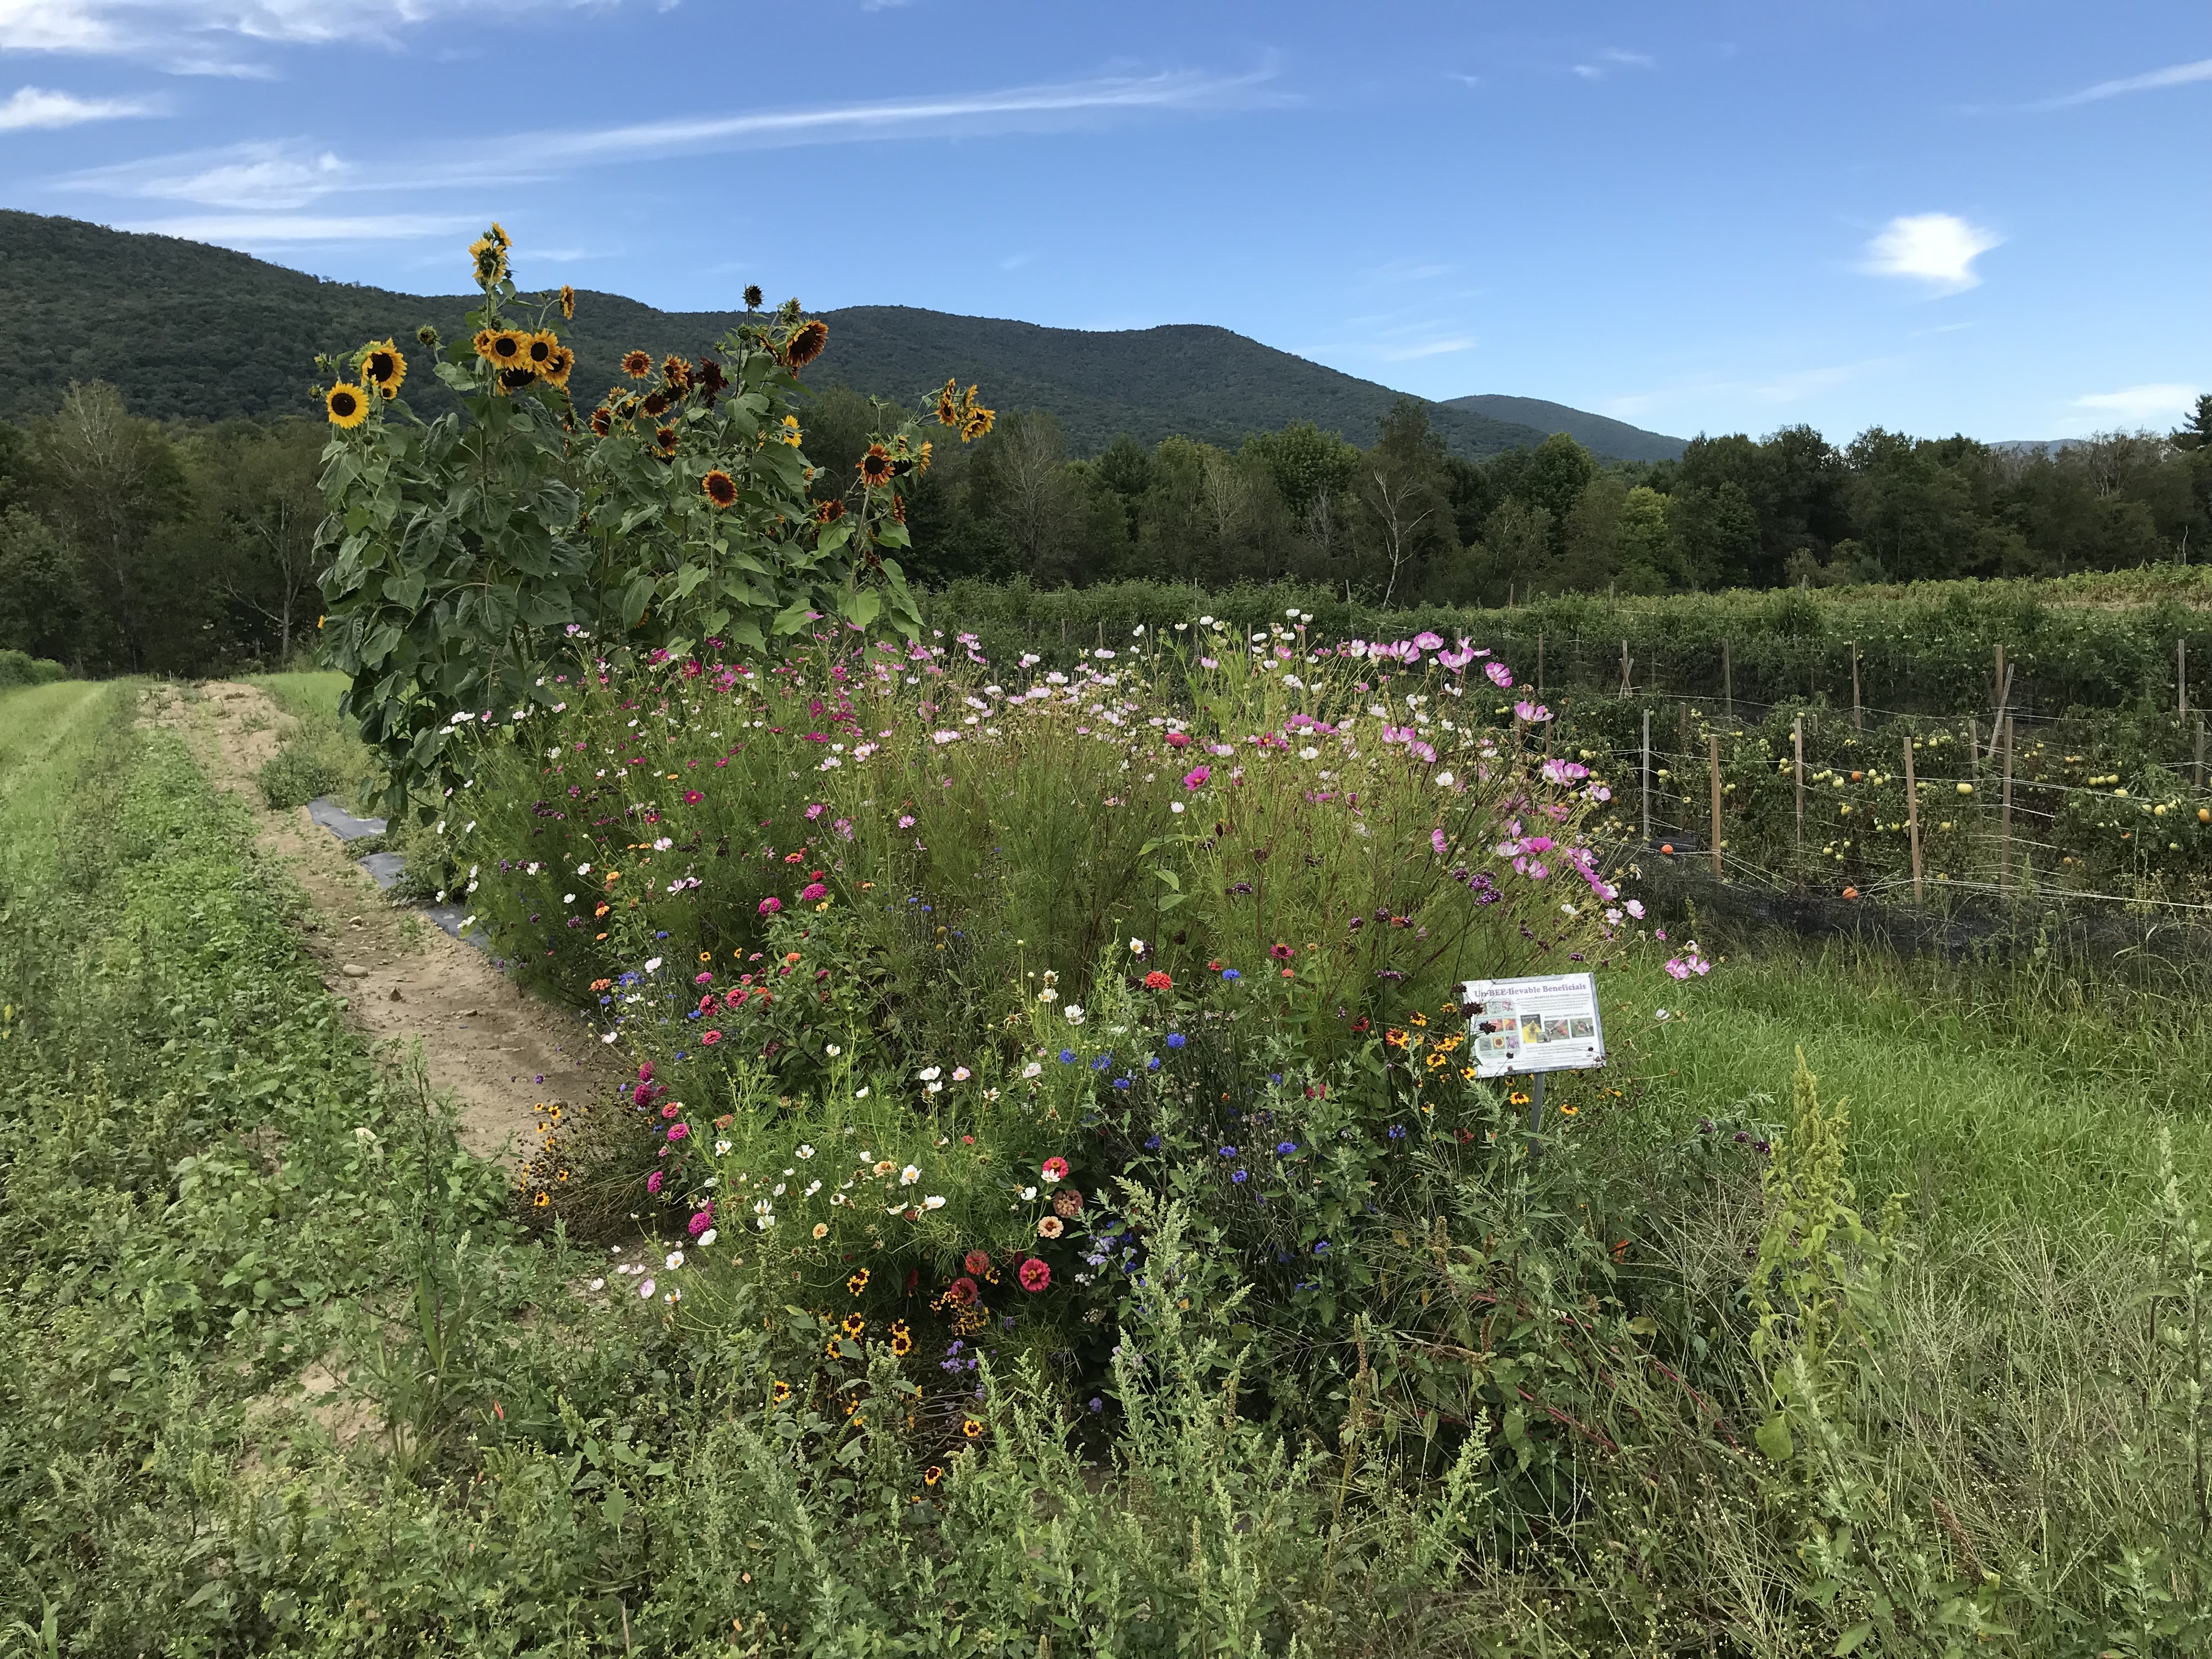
(384, 367)
(498, 235)
(655, 404)
(676, 374)
(426, 336)
(488, 259)
(514, 380)
(806, 341)
(790, 433)
(507, 347)
(948, 406)
(556, 372)
(709, 376)
(875, 466)
(636, 365)
(664, 440)
(753, 297)
(721, 489)
(568, 301)
(828, 512)
(538, 349)
(898, 509)
(979, 421)
(602, 422)
(347, 405)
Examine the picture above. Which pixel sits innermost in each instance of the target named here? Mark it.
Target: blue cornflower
(1229, 1152)
(1151, 1143)
(1230, 973)
(1120, 1083)
(1322, 1249)
(1174, 1039)
(1067, 1057)
(1397, 1131)
(1285, 1148)
(1274, 1077)
(1153, 1064)
(1096, 1404)
(1100, 1062)
(1241, 1176)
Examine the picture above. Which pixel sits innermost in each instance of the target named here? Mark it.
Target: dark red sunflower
(710, 376)
(828, 512)
(663, 439)
(602, 421)
(875, 466)
(806, 341)
(721, 488)
(753, 297)
(656, 403)
(636, 365)
(676, 374)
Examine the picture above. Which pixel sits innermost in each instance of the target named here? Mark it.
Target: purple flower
(1230, 973)
(1229, 1152)
(1174, 1039)
(1500, 675)
(1285, 1148)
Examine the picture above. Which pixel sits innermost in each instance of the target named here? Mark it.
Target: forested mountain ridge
(1599, 434)
(187, 331)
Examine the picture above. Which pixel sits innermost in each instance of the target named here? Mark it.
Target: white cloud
(285, 229)
(1938, 249)
(2174, 74)
(1424, 349)
(1613, 58)
(2141, 405)
(196, 36)
(258, 175)
(33, 106)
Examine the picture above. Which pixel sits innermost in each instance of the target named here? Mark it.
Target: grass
(319, 754)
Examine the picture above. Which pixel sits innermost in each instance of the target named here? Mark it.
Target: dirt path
(499, 1052)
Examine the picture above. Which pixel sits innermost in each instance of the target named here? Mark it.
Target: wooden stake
(1858, 720)
(2004, 824)
(2004, 701)
(1539, 664)
(1647, 771)
(1912, 815)
(2200, 752)
(1727, 685)
(1797, 743)
(2181, 679)
(1974, 745)
(1713, 756)
(1626, 663)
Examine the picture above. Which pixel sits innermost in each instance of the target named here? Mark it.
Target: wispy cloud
(1426, 349)
(2174, 74)
(2141, 404)
(288, 229)
(1787, 386)
(1938, 249)
(283, 174)
(1611, 58)
(34, 106)
(155, 28)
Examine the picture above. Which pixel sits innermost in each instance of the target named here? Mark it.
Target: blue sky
(1977, 217)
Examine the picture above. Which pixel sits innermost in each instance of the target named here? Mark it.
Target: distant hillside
(189, 331)
(1608, 437)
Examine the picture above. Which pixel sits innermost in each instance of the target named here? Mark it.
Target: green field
(286, 1372)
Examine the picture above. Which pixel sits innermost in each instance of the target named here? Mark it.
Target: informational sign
(1545, 1024)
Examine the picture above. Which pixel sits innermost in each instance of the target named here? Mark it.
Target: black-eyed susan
(542, 1200)
(602, 422)
(806, 341)
(636, 365)
(568, 301)
(828, 512)
(383, 366)
(721, 491)
(858, 1282)
(347, 405)
(875, 466)
(556, 372)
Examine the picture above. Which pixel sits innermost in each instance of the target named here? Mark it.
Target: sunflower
(898, 509)
(538, 349)
(663, 439)
(721, 489)
(487, 261)
(875, 466)
(384, 367)
(636, 365)
(979, 421)
(655, 404)
(753, 297)
(790, 433)
(514, 380)
(806, 341)
(828, 512)
(779, 1392)
(347, 405)
(568, 301)
(498, 235)
(948, 406)
(710, 376)
(507, 347)
(602, 422)
(676, 374)
(556, 372)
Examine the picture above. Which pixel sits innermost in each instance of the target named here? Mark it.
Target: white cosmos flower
(1048, 995)
(675, 1260)
(1444, 779)
(779, 1189)
(908, 1175)
(1032, 1069)
(805, 1151)
(1075, 1013)
(721, 1149)
(645, 1291)
(708, 1237)
(932, 1202)
(599, 1284)
(930, 1074)
(568, 898)
(832, 1050)
(1308, 753)
(763, 1206)
(1028, 1193)
(583, 869)
(860, 1094)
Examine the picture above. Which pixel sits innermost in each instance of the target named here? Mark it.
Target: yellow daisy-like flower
(831, 1350)
(979, 421)
(858, 1282)
(779, 1392)
(1466, 1074)
(347, 405)
(932, 1475)
(383, 366)
(1518, 1098)
(542, 1199)
(500, 236)
(971, 1428)
(488, 260)
(852, 1324)
(538, 349)
(790, 433)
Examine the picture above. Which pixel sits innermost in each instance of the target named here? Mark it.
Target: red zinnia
(964, 1292)
(1035, 1275)
(1157, 981)
(978, 1261)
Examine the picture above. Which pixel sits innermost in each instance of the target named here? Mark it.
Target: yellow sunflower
(790, 433)
(636, 365)
(806, 341)
(538, 349)
(383, 366)
(556, 372)
(487, 261)
(603, 421)
(875, 466)
(347, 405)
(979, 421)
(948, 406)
(503, 346)
(568, 301)
(721, 488)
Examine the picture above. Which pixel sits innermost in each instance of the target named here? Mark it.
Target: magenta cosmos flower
(1196, 776)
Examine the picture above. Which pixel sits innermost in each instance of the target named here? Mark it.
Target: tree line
(129, 545)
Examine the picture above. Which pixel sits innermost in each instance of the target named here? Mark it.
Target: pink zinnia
(1196, 776)
(678, 1131)
(711, 1038)
(652, 1181)
(813, 890)
(770, 905)
(1055, 1168)
(1035, 1275)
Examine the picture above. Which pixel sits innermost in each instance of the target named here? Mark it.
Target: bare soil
(499, 1052)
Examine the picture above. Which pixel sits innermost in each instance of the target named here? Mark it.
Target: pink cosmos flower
(1437, 840)
(692, 798)
(1428, 641)
(1196, 777)
(1500, 675)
